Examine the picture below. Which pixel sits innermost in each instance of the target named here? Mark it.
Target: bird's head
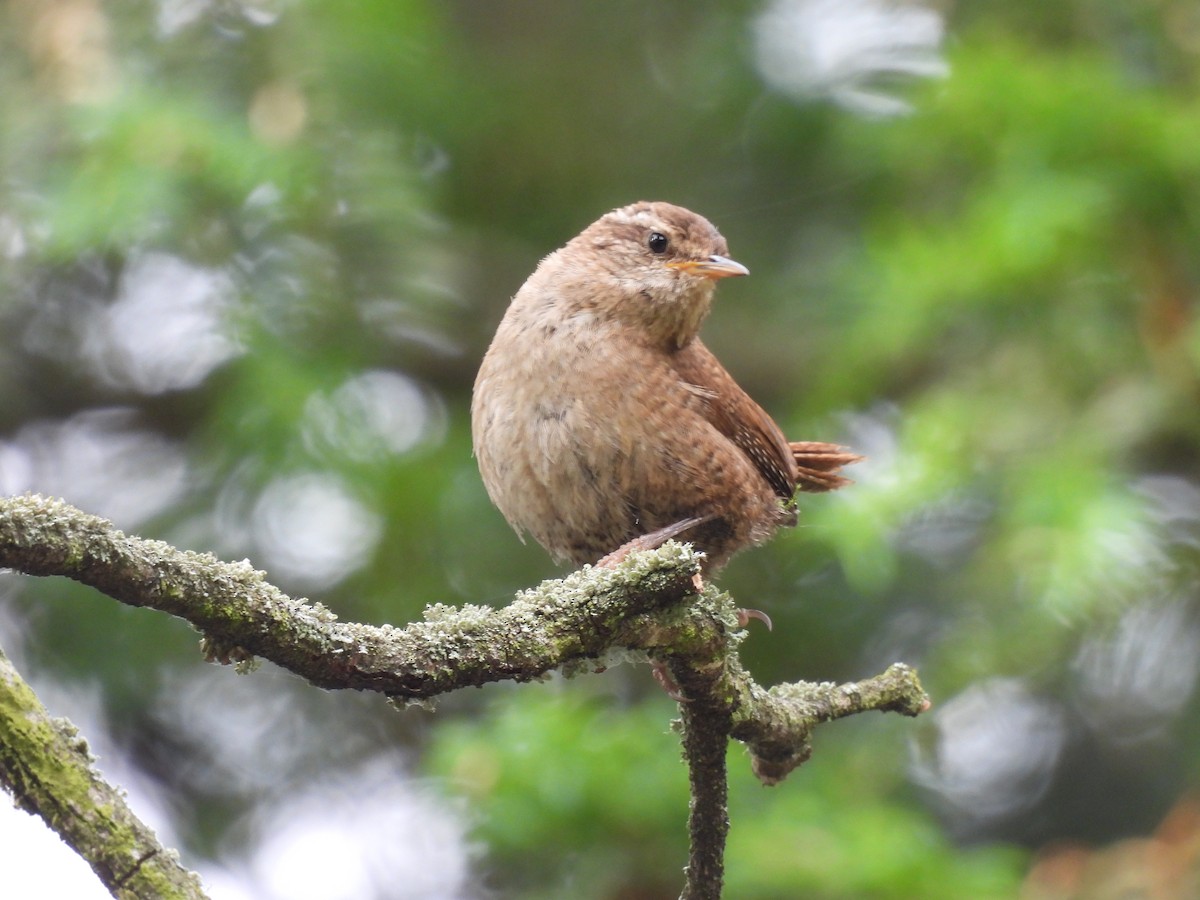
(653, 266)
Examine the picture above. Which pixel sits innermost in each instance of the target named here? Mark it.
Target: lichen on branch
(652, 604)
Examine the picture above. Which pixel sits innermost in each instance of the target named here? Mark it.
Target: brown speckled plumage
(599, 416)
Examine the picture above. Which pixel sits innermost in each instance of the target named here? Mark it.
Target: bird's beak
(710, 267)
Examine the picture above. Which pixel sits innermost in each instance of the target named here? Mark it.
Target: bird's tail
(820, 465)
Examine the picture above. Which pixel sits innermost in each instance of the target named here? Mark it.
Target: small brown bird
(600, 420)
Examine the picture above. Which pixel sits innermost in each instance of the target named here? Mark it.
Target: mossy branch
(46, 767)
(652, 602)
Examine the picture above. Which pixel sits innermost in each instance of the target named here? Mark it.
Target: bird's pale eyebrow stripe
(641, 217)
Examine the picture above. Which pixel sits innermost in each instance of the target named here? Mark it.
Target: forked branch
(648, 602)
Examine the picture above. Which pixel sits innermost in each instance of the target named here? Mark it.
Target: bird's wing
(730, 410)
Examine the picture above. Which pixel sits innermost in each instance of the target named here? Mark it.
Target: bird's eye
(657, 242)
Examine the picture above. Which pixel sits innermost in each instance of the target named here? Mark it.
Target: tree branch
(241, 615)
(723, 701)
(649, 602)
(45, 765)
(706, 718)
(777, 724)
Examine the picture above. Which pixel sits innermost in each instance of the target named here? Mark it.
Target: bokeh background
(250, 256)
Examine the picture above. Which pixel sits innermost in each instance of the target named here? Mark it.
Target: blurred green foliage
(993, 296)
(561, 771)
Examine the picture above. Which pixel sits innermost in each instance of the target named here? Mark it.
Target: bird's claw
(666, 682)
(745, 615)
(651, 541)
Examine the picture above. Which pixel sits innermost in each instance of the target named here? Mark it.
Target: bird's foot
(663, 676)
(745, 615)
(650, 541)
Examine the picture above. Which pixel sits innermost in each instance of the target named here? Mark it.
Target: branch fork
(648, 602)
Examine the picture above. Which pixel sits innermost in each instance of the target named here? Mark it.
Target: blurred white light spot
(1135, 680)
(874, 434)
(995, 750)
(316, 859)
(312, 530)
(17, 469)
(13, 243)
(99, 461)
(361, 836)
(175, 15)
(225, 883)
(249, 736)
(844, 49)
(38, 863)
(944, 531)
(165, 331)
(260, 12)
(1174, 507)
(394, 319)
(262, 208)
(372, 416)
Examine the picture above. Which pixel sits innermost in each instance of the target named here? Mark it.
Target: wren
(601, 421)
